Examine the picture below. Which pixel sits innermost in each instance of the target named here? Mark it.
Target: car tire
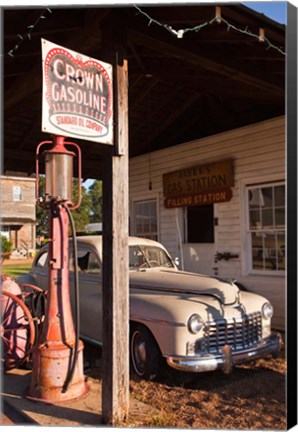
(145, 356)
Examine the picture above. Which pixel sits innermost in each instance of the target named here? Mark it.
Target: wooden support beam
(115, 294)
(188, 56)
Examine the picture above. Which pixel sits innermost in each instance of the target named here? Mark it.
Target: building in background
(18, 215)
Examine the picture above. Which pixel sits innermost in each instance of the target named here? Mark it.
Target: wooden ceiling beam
(150, 115)
(41, 33)
(145, 90)
(174, 134)
(187, 56)
(176, 114)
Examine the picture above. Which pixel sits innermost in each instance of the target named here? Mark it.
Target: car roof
(96, 240)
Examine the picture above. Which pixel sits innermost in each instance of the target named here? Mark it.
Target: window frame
(134, 221)
(87, 253)
(273, 229)
(17, 193)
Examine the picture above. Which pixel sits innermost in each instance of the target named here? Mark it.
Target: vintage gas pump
(58, 357)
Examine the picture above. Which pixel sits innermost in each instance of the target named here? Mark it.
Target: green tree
(81, 215)
(6, 245)
(95, 193)
(42, 218)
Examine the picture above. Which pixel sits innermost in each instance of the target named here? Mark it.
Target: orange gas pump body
(54, 352)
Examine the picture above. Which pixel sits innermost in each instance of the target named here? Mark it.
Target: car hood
(185, 283)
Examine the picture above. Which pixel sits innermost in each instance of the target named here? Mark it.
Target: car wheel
(145, 356)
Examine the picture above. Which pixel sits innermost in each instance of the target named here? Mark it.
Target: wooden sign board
(197, 179)
(199, 185)
(203, 198)
(77, 95)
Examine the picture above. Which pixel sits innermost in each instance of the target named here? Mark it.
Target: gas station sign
(77, 95)
(199, 185)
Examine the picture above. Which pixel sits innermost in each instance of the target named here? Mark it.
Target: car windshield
(141, 257)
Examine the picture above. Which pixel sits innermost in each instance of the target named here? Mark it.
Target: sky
(276, 10)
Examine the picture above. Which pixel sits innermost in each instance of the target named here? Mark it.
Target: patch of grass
(16, 270)
(159, 420)
(163, 419)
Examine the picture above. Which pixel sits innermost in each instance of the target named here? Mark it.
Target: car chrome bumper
(226, 359)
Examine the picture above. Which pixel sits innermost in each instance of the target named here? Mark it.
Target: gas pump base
(48, 374)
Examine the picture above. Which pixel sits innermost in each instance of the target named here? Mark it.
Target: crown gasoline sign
(77, 95)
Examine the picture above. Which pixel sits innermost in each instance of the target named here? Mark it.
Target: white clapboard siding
(258, 152)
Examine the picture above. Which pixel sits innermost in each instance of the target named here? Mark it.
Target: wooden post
(115, 295)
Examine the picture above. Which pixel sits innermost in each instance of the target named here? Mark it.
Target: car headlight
(195, 324)
(267, 310)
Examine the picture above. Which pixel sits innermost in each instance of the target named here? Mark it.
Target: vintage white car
(196, 322)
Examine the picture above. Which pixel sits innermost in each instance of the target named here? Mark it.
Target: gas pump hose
(72, 366)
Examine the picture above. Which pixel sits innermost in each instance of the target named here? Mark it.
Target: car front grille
(238, 333)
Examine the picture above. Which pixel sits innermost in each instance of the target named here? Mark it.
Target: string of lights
(178, 33)
(219, 19)
(30, 28)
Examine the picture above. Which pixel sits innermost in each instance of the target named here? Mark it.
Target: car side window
(87, 262)
(136, 257)
(41, 261)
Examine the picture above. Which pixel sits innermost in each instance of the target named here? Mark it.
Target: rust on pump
(57, 374)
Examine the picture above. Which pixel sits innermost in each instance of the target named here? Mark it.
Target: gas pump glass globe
(59, 175)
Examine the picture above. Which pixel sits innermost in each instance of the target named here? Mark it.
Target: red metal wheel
(25, 287)
(17, 330)
(35, 299)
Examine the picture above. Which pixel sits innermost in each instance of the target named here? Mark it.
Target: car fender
(166, 316)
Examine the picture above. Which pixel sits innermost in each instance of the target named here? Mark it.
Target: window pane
(255, 198)
(270, 251)
(42, 260)
(200, 224)
(93, 264)
(255, 219)
(17, 193)
(267, 223)
(145, 213)
(266, 197)
(266, 207)
(281, 251)
(267, 217)
(257, 250)
(280, 217)
(279, 195)
(83, 259)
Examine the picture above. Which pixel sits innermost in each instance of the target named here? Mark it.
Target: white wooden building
(243, 238)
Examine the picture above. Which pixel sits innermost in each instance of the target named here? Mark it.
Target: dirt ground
(252, 397)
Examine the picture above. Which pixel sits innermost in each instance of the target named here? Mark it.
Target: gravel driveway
(252, 397)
